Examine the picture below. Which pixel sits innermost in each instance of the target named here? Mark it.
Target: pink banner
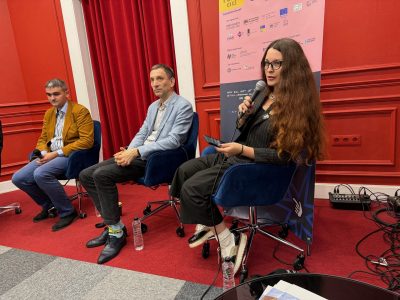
(248, 26)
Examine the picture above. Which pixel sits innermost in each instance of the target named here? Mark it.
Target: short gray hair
(55, 82)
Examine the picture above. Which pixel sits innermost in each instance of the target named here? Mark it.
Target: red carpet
(336, 233)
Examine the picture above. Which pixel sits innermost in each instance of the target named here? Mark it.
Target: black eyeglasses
(276, 64)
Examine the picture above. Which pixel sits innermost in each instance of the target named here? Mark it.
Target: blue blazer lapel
(152, 113)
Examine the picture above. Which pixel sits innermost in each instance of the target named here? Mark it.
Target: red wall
(360, 91)
(204, 37)
(360, 86)
(12, 84)
(33, 49)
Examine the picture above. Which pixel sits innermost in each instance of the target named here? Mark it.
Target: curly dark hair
(297, 118)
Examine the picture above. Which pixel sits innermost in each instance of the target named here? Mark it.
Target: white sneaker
(236, 250)
(201, 234)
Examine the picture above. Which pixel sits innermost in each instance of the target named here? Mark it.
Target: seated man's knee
(17, 179)
(39, 175)
(100, 174)
(84, 175)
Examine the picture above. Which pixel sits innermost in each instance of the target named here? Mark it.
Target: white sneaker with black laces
(201, 234)
(236, 250)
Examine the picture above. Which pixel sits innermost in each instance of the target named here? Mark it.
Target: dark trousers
(100, 181)
(194, 183)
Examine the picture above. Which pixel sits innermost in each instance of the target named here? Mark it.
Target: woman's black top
(256, 133)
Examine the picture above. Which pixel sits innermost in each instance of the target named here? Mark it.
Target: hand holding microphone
(36, 154)
(246, 105)
(245, 108)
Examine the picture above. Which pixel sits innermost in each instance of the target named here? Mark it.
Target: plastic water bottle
(137, 234)
(228, 274)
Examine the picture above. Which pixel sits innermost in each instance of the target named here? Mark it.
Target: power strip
(350, 201)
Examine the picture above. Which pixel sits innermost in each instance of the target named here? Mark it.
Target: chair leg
(79, 196)
(253, 227)
(287, 243)
(308, 246)
(252, 231)
(180, 231)
(148, 212)
(16, 207)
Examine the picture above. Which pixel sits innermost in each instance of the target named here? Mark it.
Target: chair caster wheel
(18, 211)
(147, 210)
(143, 227)
(235, 225)
(299, 262)
(82, 215)
(243, 274)
(205, 252)
(284, 232)
(180, 231)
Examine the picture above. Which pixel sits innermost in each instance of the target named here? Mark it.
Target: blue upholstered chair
(80, 160)
(277, 193)
(160, 170)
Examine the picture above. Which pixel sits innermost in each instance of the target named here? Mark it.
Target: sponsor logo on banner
(227, 5)
(297, 7)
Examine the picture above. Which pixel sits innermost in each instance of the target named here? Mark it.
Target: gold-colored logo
(227, 5)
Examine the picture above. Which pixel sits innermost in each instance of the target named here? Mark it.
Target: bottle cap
(228, 259)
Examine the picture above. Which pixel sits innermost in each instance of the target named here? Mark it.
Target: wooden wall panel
(22, 124)
(362, 101)
(360, 86)
(203, 23)
(33, 49)
(210, 121)
(204, 36)
(360, 144)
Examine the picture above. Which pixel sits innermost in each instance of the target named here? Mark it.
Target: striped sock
(116, 229)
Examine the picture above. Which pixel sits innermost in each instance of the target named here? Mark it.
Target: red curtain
(126, 37)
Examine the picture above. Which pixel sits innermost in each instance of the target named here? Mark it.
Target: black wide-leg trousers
(194, 183)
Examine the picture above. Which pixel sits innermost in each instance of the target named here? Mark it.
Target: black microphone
(36, 154)
(260, 87)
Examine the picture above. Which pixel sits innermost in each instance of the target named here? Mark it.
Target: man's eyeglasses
(276, 64)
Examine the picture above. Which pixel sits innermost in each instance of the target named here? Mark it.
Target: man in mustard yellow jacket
(67, 127)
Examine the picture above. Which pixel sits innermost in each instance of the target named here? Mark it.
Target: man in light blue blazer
(166, 127)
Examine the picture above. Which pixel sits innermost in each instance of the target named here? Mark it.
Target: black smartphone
(212, 141)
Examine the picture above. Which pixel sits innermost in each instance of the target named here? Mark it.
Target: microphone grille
(260, 85)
